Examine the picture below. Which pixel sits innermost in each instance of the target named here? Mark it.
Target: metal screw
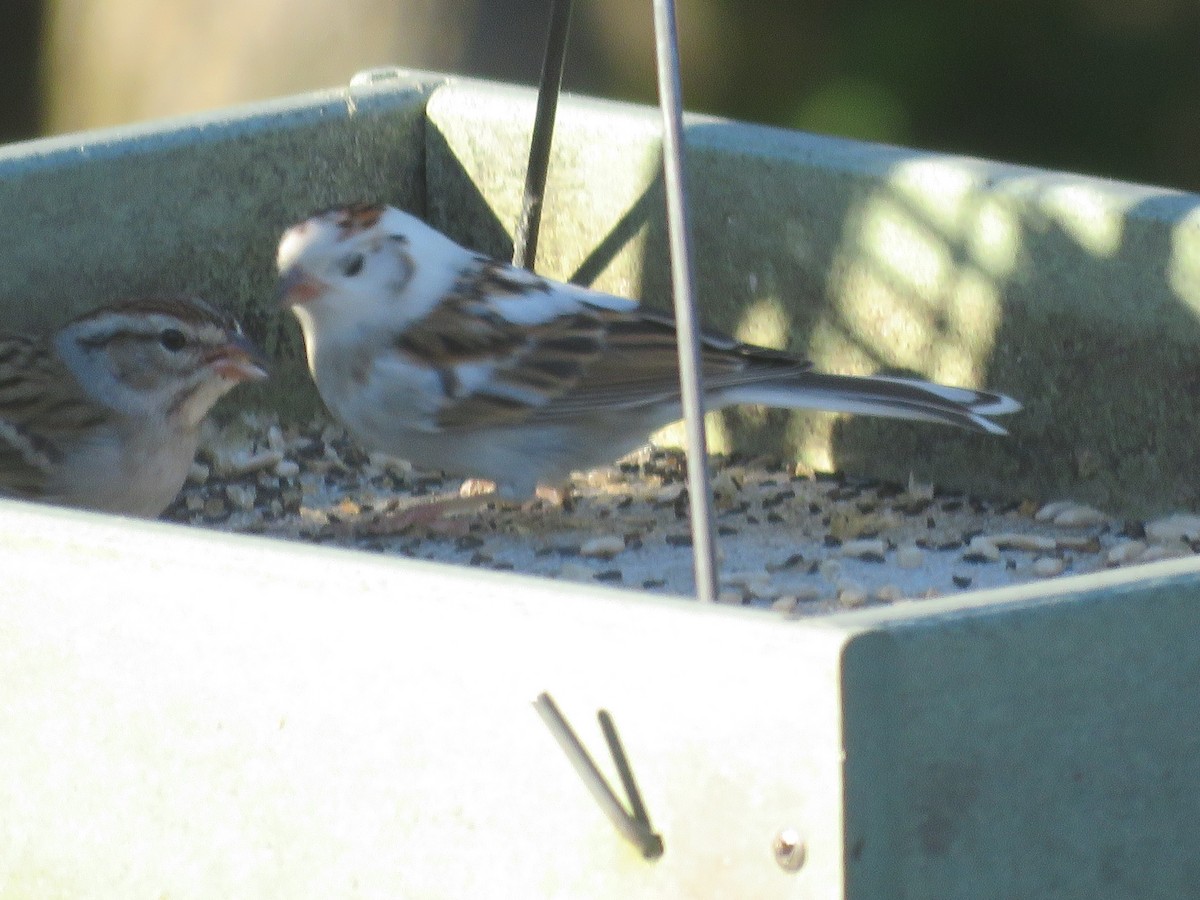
(789, 850)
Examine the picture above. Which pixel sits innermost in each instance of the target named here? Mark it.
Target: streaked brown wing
(534, 363)
(588, 361)
(639, 366)
(458, 331)
(40, 405)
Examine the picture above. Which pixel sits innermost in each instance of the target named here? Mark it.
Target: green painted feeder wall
(1078, 296)
(190, 714)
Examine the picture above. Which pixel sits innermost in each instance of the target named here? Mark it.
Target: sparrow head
(361, 263)
(171, 357)
(341, 254)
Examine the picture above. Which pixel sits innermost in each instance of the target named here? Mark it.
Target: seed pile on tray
(793, 541)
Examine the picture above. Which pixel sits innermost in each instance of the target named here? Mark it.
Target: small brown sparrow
(455, 361)
(106, 414)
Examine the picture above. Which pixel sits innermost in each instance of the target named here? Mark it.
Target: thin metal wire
(666, 45)
(525, 240)
(635, 830)
(617, 750)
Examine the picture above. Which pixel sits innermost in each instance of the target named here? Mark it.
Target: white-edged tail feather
(885, 396)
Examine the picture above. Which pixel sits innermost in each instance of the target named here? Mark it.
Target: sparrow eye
(172, 339)
(352, 264)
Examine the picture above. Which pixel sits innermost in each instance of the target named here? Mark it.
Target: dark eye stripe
(104, 338)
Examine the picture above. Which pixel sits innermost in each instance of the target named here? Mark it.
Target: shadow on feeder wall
(1011, 261)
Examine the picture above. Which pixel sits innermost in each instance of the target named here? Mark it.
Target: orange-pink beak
(296, 287)
(239, 360)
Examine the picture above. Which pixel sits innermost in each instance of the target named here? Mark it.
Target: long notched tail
(877, 395)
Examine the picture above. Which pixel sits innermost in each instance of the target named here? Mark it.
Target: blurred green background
(1106, 87)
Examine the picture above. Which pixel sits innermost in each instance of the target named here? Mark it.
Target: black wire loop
(634, 823)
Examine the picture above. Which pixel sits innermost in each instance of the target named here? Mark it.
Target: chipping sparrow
(106, 414)
(454, 361)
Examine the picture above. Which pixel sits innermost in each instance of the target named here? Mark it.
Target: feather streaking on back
(432, 352)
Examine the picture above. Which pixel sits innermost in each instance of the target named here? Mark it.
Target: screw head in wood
(789, 850)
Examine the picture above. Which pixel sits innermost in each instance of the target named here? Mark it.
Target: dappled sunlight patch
(813, 439)
(1184, 266)
(905, 250)
(920, 283)
(715, 430)
(994, 237)
(765, 324)
(1087, 215)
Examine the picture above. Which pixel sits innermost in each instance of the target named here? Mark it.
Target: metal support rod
(687, 331)
(617, 751)
(634, 828)
(525, 239)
